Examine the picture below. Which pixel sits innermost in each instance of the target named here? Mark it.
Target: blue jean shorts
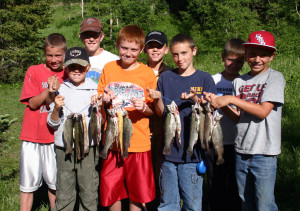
(256, 175)
(180, 181)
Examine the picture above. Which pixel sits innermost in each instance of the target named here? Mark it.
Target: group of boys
(53, 93)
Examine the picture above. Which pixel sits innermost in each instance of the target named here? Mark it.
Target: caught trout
(95, 124)
(120, 113)
(201, 126)
(169, 130)
(110, 133)
(194, 128)
(86, 147)
(177, 120)
(68, 134)
(208, 125)
(78, 136)
(127, 134)
(217, 137)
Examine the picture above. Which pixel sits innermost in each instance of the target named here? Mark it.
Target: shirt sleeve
(274, 91)
(30, 86)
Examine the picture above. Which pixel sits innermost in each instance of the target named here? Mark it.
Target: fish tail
(190, 151)
(103, 154)
(220, 161)
(167, 150)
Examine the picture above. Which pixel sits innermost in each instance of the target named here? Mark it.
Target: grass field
(287, 188)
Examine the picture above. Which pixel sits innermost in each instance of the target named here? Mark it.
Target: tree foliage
(19, 37)
(213, 22)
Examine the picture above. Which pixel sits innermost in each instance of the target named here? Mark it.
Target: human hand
(108, 95)
(59, 102)
(153, 94)
(97, 99)
(53, 84)
(139, 104)
(192, 95)
(217, 101)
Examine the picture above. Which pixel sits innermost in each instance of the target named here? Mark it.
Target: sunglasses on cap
(90, 34)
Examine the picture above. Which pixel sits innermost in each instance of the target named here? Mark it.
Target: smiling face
(129, 52)
(54, 58)
(183, 55)
(258, 59)
(156, 51)
(77, 73)
(92, 42)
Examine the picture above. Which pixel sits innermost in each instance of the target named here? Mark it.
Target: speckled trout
(217, 137)
(194, 128)
(68, 133)
(127, 134)
(169, 130)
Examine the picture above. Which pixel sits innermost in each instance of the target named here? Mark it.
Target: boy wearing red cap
(91, 34)
(258, 100)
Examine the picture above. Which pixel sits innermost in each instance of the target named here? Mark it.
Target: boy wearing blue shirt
(179, 178)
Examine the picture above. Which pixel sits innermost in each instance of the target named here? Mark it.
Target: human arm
(157, 101)
(142, 106)
(261, 110)
(46, 96)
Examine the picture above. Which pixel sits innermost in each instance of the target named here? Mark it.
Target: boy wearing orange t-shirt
(128, 79)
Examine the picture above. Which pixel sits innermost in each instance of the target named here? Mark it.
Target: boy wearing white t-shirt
(91, 34)
(223, 194)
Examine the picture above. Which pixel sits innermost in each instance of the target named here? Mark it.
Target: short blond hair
(56, 40)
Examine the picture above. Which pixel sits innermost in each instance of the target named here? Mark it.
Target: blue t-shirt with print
(171, 85)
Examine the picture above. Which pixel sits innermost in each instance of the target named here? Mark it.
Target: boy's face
(91, 41)
(128, 52)
(258, 59)
(183, 55)
(156, 51)
(77, 73)
(233, 63)
(54, 58)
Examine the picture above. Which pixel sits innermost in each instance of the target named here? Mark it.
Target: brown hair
(181, 38)
(131, 33)
(56, 40)
(234, 46)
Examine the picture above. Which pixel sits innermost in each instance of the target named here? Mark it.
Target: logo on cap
(90, 21)
(260, 39)
(75, 53)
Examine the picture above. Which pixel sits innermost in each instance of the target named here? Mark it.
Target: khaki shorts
(37, 162)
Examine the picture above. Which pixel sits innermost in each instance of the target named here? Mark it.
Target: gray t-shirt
(255, 135)
(77, 100)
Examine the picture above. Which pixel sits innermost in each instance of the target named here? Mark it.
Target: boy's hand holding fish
(97, 99)
(53, 84)
(59, 102)
(157, 101)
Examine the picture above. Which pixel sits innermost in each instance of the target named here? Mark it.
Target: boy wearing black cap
(156, 47)
(91, 34)
(258, 98)
(74, 98)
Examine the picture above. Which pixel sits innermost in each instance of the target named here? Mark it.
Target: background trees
(25, 23)
(20, 40)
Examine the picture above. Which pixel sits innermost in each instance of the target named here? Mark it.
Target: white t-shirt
(224, 87)
(98, 62)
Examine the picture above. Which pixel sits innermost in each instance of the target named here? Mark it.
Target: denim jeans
(180, 181)
(256, 175)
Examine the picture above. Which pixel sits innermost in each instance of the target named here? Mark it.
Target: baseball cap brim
(81, 62)
(154, 40)
(259, 46)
